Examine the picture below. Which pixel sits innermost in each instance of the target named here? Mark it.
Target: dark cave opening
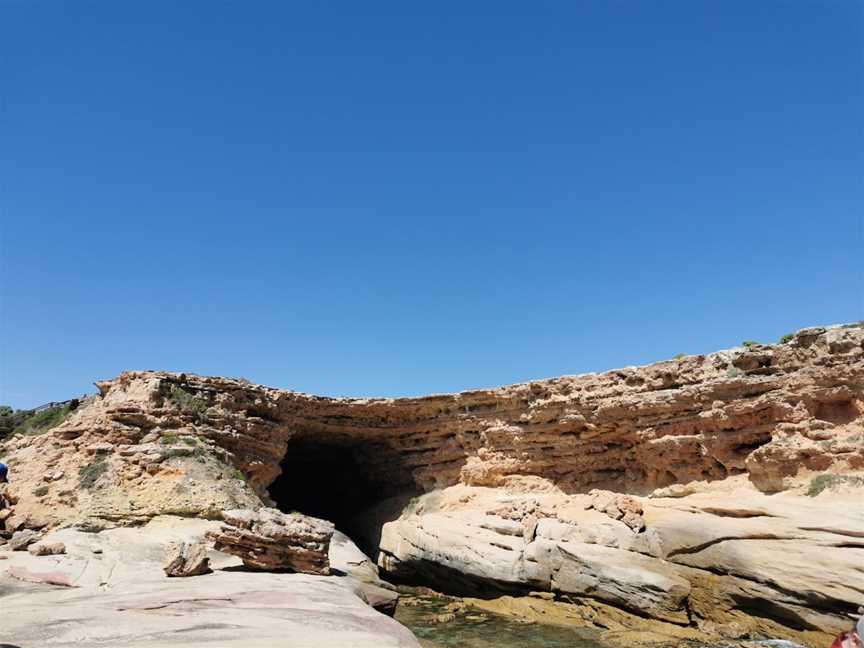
(357, 486)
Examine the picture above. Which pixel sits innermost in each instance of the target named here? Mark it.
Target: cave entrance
(354, 484)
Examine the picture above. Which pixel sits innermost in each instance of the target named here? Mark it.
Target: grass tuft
(821, 482)
(88, 475)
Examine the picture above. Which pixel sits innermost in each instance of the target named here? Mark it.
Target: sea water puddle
(436, 624)
(443, 622)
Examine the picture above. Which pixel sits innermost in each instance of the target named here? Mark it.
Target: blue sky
(402, 198)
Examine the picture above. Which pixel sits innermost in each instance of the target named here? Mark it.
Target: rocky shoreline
(715, 496)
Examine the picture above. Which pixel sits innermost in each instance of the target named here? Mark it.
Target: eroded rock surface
(780, 565)
(269, 540)
(764, 421)
(161, 443)
(109, 590)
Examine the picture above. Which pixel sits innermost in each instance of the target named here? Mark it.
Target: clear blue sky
(366, 198)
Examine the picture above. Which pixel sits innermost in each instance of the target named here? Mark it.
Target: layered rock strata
(724, 557)
(156, 442)
(272, 541)
(772, 417)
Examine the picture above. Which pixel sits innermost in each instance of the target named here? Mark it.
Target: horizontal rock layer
(781, 565)
(154, 443)
(168, 443)
(271, 541)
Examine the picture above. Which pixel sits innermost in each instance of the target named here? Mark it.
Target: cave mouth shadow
(358, 485)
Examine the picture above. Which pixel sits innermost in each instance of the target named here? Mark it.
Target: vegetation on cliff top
(31, 422)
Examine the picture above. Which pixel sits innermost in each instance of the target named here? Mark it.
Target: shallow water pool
(438, 623)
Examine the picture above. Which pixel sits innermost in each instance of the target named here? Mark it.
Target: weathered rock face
(271, 541)
(782, 565)
(770, 417)
(159, 443)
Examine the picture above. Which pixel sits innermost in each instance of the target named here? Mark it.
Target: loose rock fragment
(47, 548)
(187, 559)
(20, 540)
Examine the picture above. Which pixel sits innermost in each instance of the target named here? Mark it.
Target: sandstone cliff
(768, 418)
(155, 442)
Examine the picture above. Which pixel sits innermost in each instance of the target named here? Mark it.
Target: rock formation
(47, 548)
(187, 559)
(22, 539)
(271, 541)
(701, 465)
(109, 590)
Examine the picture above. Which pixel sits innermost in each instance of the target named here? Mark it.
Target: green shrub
(734, 372)
(821, 482)
(786, 339)
(188, 403)
(88, 475)
(190, 441)
(238, 474)
(28, 423)
(678, 356)
(169, 438)
(750, 343)
(10, 419)
(40, 491)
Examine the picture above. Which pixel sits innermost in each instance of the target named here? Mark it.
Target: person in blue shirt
(4, 473)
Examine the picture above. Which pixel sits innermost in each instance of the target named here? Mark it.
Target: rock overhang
(771, 412)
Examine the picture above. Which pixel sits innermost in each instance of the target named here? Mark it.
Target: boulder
(187, 559)
(44, 548)
(270, 540)
(20, 540)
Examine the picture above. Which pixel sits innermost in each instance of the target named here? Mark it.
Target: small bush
(786, 339)
(821, 482)
(190, 441)
(40, 491)
(42, 421)
(238, 474)
(678, 356)
(88, 475)
(734, 372)
(188, 403)
(750, 343)
(168, 439)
